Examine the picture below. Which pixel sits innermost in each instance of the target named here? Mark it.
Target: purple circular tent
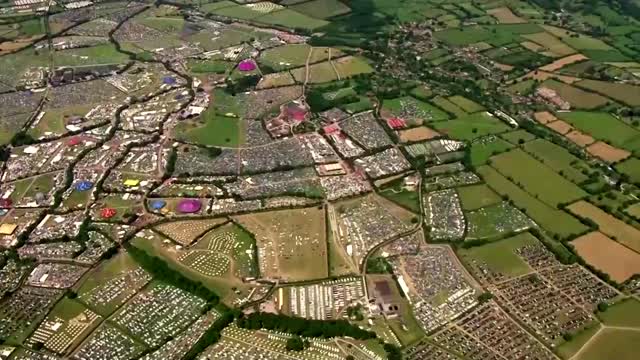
(189, 206)
(247, 65)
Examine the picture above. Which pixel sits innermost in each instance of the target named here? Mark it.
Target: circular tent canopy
(84, 185)
(247, 65)
(107, 213)
(157, 204)
(189, 206)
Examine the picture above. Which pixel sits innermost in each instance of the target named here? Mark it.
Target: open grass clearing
(551, 219)
(477, 196)
(557, 158)
(536, 178)
(630, 168)
(466, 104)
(612, 344)
(626, 313)
(472, 126)
(481, 152)
(518, 137)
(569, 348)
(500, 256)
(211, 129)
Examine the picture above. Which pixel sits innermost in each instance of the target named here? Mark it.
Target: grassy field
(552, 45)
(605, 127)
(448, 106)
(211, 129)
(557, 158)
(624, 93)
(549, 218)
(578, 98)
(318, 73)
(608, 224)
(626, 313)
(100, 54)
(500, 256)
(577, 41)
(321, 9)
(612, 344)
(536, 178)
(292, 19)
(401, 196)
(286, 56)
(349, 66)
(518, 136)
(567, 349)
(477, 196)
(481, 152)
(631, 168)
(466, 104)
(471, 126)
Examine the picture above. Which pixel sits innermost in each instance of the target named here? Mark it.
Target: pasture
(551, 219)
(480, 152)
(448, 106)
(471, 126)
(616, 229)
(349, 66)
(608, 256)
(474, 197)
(466, 104)
(518, 136)
(625, 93)
(536, 178)
(318, 73)
(321, 9)
(286, 56)
(552, 46)
(500, 256)
(625, 313)
(630, 168)
(612, 344)
(211, 129)
(504, 15)
(558, 158)
(605, 127)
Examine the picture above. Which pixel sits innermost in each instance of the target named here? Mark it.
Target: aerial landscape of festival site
(320, 179)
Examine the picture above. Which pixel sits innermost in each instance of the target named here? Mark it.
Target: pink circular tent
(189, 206)
(247, 65)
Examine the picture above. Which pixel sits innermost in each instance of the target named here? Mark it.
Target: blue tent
(169, 80)
(157, 204)
(84, 185)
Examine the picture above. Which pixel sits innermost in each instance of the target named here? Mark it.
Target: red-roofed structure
(332, 129)
(396, 123)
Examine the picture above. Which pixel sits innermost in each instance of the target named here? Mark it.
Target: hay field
(616, 229)
(608, 256)
(417, 134)
(607, 152)
(560, 63)
(576, 97)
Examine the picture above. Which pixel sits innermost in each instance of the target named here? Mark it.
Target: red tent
(107, 213)
(5, 203)
(74, 141)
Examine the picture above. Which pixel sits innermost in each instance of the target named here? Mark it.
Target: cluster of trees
(161, 271)
(303, 327)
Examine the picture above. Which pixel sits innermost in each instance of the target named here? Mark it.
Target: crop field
(553, 47)
(625, 313)
(291, 243)
(471, 126)
(557, 158)
(477, 196)
(561, 127)
(608, 256)
(321, 9)
(504, 15)
(549, 218)
(578, 98)
(500, 256)
(605, 127)
(480, 152)
(612, 344)
(616, 229)
(536, 178)
(625, 93)
(417, 134)
(466, 104)
(631, 168)
(607, 152)
(561, 63)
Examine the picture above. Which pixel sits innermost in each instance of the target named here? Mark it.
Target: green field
(211, 129)
(480, 152)
(321, 9)
(624, 93)
(471, 126)
(630, 168)
(578, 98)
(448, 106)
(396, 192)
(500, 256)
(426, 112)
(99, 54)
(605, 127)
(518, 136)
(349, 66)
(567, 349)
(624, 314)
(536, 178)
(557, 158)
(318, 73)
(495, 221)
(477, 196)
(612, 344)
(286, 56)
(553, 220)
(466, 104)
